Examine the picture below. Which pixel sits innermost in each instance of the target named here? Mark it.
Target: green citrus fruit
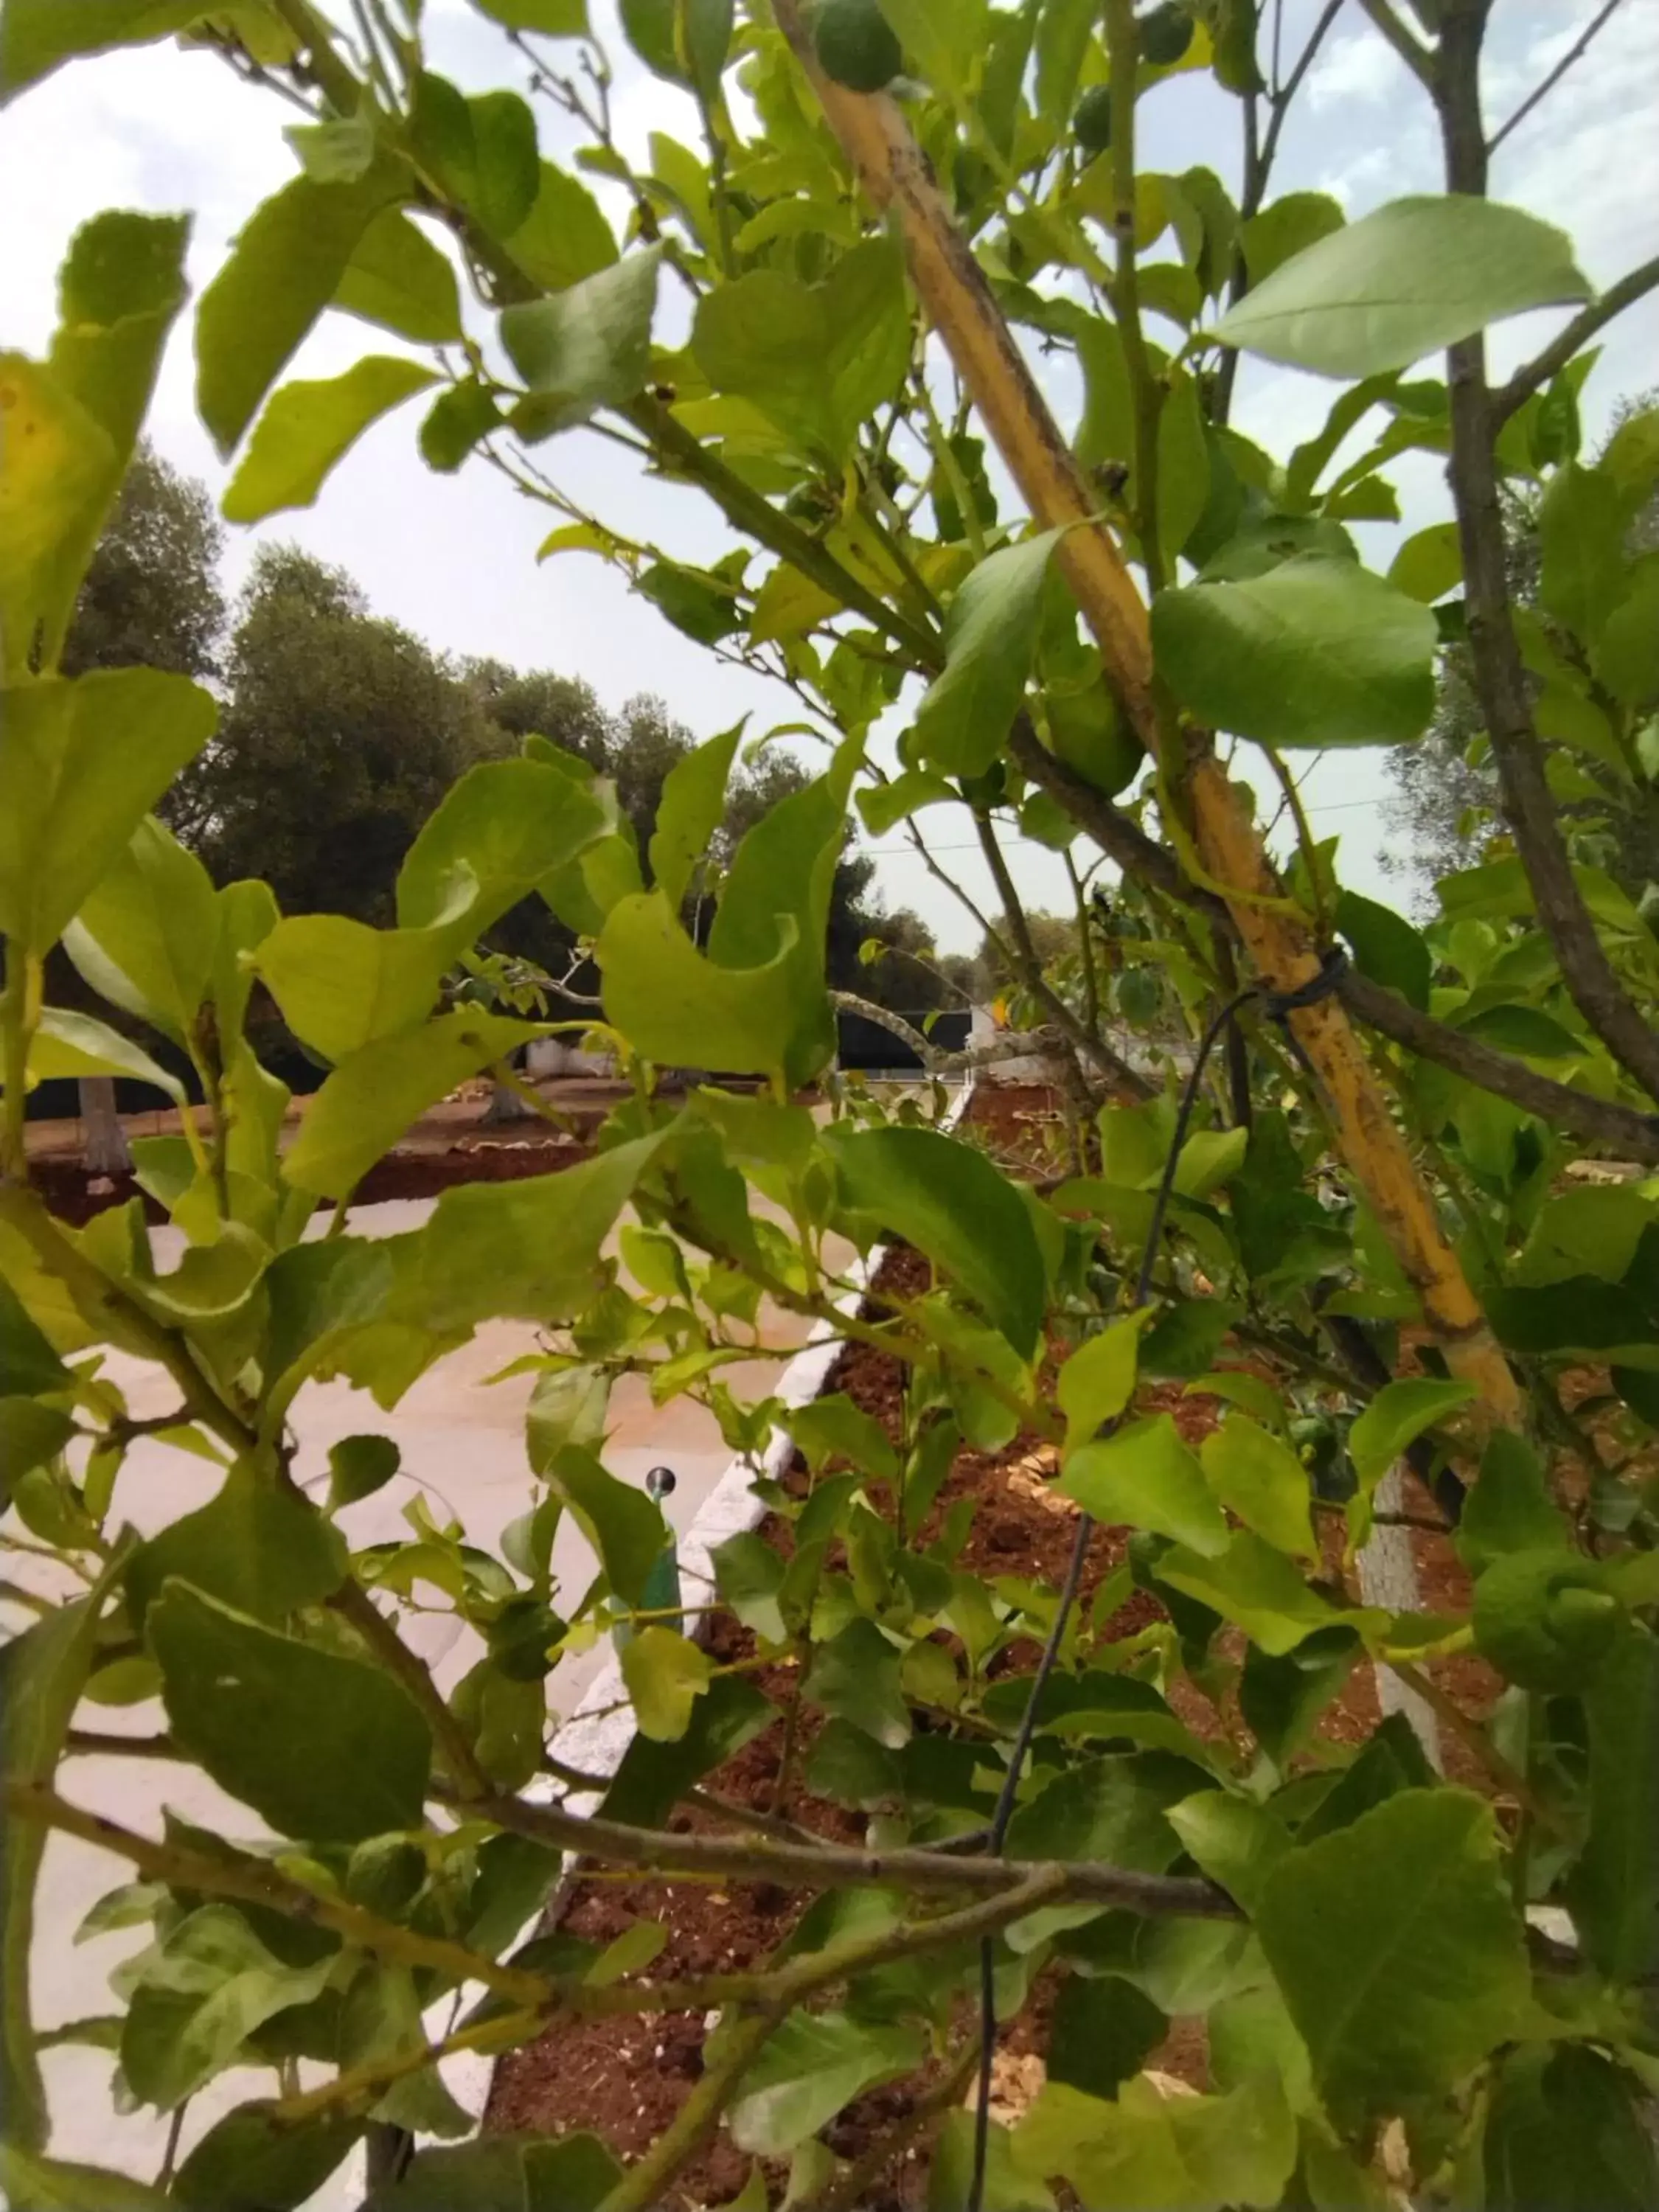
(855, 44)
(1092, 125)
(1086, 733)
(1165, 35)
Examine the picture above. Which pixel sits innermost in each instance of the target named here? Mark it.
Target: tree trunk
(104, 1141)
(506, 1105)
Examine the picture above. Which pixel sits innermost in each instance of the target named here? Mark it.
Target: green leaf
(1386, 947)
(29, 1367)
(77, 1044)
(258, 1545)
(396, 278)
(72, 426)
(950, 2176)
(1581, 522)
(565, 237)
(680, 1008)
(457, 419)
(817, 360)
(528, 1251)
(990, 636)
(341, 984)
(324, 1748)
(1563, 2129)
(666, 1675)
(1408, 280)
(383, 1088)
(82, 762)
(1285, 227)
(1315, 652)
(690, 812)
(505, 2173)
(1397, 1416)
(480, 151)
(1261, 1481)
(550, 19)
(308, 430)
(1064, 29)
(586, 348)
(1236, 1842)
(950, 1202)
(813, 2064)
(1250, 1583)
(56, 2184)
(1145, 1478)
(1613, 1891)
(1281, 1697)
(748, 1575)
(148, 938)
(201, 1994)
(1100, 2033)
(42, 1673)
(1111, 1809)
(855, 1677)
(359, 1466)
(756, 1002)
(284, 269)
(1398, 1949)
(250, 2162)
(833, 1427)
(38, 36)
(625, 1526)
(653, 1777)
(1429, 564)
(1148, 2153)
(30, 1435)
(1509, 1509)
(510, 824)
(1627, 657)
(700, 605)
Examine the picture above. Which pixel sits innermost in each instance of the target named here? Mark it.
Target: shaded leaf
(1398, 1950)
(282, 269)
(814, 2064)
(1314, 652)
(950, 1202)
(323, 1747)
(855, 1677)
(259, 1545)
(586, 348)
(990, 637)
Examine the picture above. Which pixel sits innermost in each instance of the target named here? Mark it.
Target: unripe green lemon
(1165, 35)
(1092, 125)
(855, 44)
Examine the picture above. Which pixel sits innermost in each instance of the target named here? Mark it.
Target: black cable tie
(1332, 966)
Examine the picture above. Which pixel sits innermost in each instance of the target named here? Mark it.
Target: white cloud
(1361, 68)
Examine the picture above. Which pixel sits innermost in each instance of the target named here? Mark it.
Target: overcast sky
(454, 557)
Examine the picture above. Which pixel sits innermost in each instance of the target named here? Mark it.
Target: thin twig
(1549, 83)
(1561, 349)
